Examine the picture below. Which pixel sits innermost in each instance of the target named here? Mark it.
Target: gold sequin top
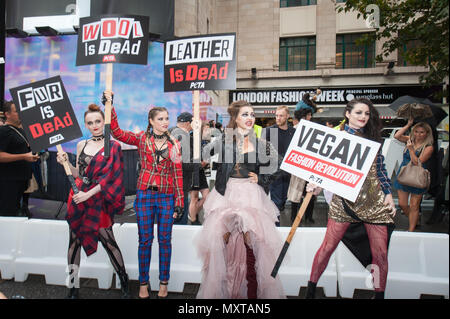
(369, 205)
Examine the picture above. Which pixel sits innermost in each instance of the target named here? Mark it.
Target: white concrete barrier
(418, 264)
(10, 229)
(185, 265)
(43, 251)
(296, 268)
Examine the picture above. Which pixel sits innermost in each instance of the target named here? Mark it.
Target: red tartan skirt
(105, 220)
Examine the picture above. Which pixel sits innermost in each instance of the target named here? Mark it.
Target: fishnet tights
(378, 246)
(106, 237)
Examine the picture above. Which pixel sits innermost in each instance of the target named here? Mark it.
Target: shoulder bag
(414, 175)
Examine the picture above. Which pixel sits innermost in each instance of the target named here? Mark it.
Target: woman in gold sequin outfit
(372, 212)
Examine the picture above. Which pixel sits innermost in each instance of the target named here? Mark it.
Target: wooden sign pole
(108, 82)
(197, 135)
(297, 220)
(68, 172)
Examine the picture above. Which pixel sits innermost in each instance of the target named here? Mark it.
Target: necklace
(98, 138)
(160, 137)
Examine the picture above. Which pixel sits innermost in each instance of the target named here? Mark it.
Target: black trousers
(10, 195)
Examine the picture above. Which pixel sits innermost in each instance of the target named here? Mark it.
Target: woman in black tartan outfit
(90, 213)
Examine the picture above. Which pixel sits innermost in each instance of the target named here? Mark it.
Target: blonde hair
(429, 139)
(283, 107)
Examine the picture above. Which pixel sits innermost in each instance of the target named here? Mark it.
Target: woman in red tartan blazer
(90, 212)
(159, 191)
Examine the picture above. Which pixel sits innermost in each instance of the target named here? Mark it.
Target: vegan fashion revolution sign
(46, 113)
(206, 63)
(332, 159)
(117, 39)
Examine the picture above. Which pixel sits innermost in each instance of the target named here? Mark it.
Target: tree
(400, 22)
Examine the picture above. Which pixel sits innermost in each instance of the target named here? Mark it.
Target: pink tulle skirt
(245, 208)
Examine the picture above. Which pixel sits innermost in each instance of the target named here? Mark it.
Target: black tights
(106, 237)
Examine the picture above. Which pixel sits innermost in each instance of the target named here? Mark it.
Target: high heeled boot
(378, 295)
(124, 286)
(311, 292)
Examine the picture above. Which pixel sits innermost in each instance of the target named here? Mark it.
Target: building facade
(288, 47)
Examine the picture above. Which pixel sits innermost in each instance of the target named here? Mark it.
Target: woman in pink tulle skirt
(239, 243)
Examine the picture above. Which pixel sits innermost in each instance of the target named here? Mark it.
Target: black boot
(379, 295)
(124, 287)
(73, 293)
(311, 292)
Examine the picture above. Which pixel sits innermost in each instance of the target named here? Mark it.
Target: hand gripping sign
(47, 116)
(112, 39)
(334, 160)
(200, 63)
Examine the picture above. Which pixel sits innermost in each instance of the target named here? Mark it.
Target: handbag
(414, 175)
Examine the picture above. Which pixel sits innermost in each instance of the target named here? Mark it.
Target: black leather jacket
(267, 161)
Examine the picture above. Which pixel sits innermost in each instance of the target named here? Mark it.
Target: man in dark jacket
(182, 132)
(15, 162)
(280, 135)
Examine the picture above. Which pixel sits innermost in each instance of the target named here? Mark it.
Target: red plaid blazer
(84, 218)
(167, 174)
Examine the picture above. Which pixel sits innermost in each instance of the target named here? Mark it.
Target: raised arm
(400, 134)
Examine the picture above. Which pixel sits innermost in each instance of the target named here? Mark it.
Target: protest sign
(47, 117)
(113, 39)
(332, 159)
(46, 113)
(205, 62)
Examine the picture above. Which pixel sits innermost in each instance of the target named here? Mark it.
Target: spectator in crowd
(196, 203)
(183, 133)
(419, 147)
(15, 162)
(297, 191)
(280, 136)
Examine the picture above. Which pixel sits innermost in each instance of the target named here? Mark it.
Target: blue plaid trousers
(148, 205)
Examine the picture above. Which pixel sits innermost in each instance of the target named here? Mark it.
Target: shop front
(331, 101)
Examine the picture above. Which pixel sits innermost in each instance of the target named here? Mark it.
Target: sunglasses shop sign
(46, 113)
(113, 39)
(334, 160)
(200, 63)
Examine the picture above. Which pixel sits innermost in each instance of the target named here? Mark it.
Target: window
(296, 3)
(401, 61)
(298, 54)
(340, 1)
(349, 55)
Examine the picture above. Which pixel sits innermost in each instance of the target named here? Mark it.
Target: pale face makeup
(95, 123)
(359, 116)
(245, 119)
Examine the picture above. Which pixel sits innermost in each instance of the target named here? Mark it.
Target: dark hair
(7, 106)
(234, 109)
(218, 125)
(307, 99)
(302, 113)
(151, 115)
(372, 130)
(93, 108)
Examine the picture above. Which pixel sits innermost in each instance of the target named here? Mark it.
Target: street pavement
(36, 288)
